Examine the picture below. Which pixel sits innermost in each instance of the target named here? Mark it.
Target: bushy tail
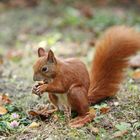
(111, 57)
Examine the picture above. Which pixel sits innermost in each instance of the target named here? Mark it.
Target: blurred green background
(70, 28)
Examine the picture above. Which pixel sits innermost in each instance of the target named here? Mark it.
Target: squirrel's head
(45, 67)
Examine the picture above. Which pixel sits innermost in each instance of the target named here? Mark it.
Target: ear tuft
(41, 52)
(51, 58)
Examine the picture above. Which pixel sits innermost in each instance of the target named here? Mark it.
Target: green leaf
(100, 106)
(136, 125)
(123, 126)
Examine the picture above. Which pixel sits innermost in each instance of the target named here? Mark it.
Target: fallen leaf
(123, 126)
(33, 113)
(92, 113)
(4, 99)
(41, 113)
(136, 75)
(106, 123)
(119, 133)
(34, 125)
(3, 110)
(94, 130)
(104, 110)
(136, 125)
(55, 118)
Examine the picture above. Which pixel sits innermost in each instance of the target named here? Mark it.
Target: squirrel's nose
(34, 78)
(37, 77)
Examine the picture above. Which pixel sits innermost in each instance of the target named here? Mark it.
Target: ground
(69, 32)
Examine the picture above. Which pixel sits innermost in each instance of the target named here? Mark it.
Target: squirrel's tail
(111, 57)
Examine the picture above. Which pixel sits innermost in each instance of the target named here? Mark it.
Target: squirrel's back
(111, 57)
(74, 72)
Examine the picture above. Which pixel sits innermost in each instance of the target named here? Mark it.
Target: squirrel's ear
(51, 58)
(41, 52)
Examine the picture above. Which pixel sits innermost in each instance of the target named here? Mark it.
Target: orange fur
(111, 57)
(68, 83)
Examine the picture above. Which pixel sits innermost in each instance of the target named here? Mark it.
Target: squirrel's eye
(44, 69)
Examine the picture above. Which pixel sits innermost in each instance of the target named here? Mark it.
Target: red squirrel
(68, 83)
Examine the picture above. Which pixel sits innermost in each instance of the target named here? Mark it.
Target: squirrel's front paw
(39, 89)
(35, 89)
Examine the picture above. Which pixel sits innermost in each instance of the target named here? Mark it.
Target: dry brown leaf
(33, 113)
(55, 118)
(119, 133)
(34, 125)
(94, 130)
(41, 113)
(104, 110)
(3, 110)
(136, 75)
(92, 111)
(4, 99)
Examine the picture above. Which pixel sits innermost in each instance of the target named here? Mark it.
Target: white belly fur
(62, 101)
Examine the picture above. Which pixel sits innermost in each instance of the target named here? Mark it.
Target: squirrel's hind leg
(82, 120)
(79, 102)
